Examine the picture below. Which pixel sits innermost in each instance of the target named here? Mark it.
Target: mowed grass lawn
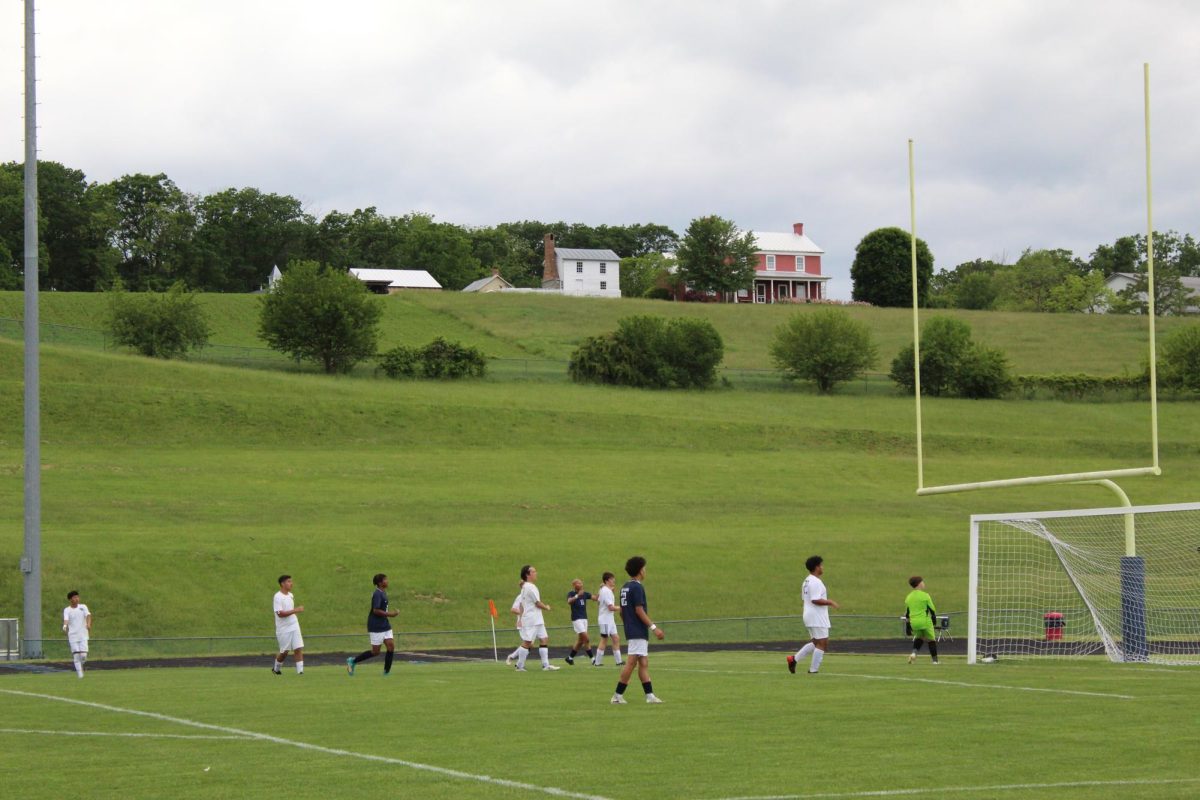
(175, 494)
(732, 725)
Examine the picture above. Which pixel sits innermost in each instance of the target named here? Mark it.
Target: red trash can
(1054, 625)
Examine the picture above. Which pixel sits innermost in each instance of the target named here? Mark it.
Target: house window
(771, 262)
(603, 268)
(579, 266)
(603, 285)
(799, 263)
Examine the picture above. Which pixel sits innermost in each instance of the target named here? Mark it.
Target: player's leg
(637, 648)
(354, 661)
(616, 643)
(918, 640)
(819, 647)
(298, 657)
(523, 650)
(544, 649)
(390, 644)
(599, 657)
(933, 648)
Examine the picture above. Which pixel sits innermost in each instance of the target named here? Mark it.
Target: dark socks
(621, 687)
(933, 650)
(573, 652)
(363, 656)
(917, 642)
(387, 661)
(592, 653)
(648, 687)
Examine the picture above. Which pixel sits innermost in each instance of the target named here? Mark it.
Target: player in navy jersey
(379, 628)
(638, 628)
(577, 598)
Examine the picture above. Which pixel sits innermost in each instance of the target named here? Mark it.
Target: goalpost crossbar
(1038, 480)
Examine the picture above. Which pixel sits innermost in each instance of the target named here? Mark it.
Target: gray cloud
(1027, 116)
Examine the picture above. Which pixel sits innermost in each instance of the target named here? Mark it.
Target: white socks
(522, 654)
(804, 652)
(275, 665)
(617, 655)
(299, 667)
(78, 658)
(544, 652)
(816, 660)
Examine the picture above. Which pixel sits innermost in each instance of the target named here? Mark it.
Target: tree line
(149, 234)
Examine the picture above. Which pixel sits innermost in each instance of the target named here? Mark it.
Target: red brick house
(789, 268)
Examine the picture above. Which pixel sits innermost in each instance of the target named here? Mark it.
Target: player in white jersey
(287, 626)
(606, 620)
(533, 624)
(816, 617)
(77, 625)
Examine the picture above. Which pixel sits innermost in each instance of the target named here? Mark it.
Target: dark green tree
(882, 269)
(1179, 362)
(157, 324)
(826, 347)
(154, 224)
(242, 233)
(321, 315)
(952, 363)
(714, 256)
(652, 353)
(640, 273)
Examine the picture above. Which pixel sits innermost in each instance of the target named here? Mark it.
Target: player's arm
(88, 622)
(542, 605)
(825, 601)
(644, 617)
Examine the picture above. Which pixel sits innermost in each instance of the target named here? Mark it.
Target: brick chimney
(798, 228)
(550, 276)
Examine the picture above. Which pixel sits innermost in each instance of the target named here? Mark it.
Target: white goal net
(1123, 582)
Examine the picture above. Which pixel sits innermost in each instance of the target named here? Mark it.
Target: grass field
(733, 725)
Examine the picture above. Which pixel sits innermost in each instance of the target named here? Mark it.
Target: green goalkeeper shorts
(924, 632)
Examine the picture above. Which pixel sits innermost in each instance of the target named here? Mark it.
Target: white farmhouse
(583, 273)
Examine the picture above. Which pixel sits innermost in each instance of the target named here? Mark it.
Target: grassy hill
(550, 327)
(175, 493)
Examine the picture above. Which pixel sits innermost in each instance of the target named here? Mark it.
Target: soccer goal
(1123, 582)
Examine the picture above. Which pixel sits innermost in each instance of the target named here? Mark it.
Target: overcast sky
(1027, 116)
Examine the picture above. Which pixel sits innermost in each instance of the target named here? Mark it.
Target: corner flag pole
(492, 619)
(31, 562)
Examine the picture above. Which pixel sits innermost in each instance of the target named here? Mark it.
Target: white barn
(579, 272)
(390, 281)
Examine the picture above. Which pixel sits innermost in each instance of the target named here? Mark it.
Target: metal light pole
(31, 562)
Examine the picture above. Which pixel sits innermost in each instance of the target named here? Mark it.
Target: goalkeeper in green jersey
(922, 616)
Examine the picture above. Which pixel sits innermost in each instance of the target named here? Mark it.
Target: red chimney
(549, 261)
(798, 228)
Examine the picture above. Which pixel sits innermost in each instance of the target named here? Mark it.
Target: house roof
(769, 242)
(399, 278)
(575, 254)
(1190, 283)
(475, 286)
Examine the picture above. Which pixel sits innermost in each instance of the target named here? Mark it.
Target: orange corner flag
(492, 608)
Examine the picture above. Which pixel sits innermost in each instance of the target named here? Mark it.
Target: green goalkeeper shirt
(921, 611)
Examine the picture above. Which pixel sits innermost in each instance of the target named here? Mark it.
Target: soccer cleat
(618, 700)
(508, 662)
(519, 669)
(935, 662)
(791, 664)
(812, 672)
(386, 674)
(549, 668)
(570, 660)
(912, 657)
(597, 663)
(350, 665)
(650, 698)
(277, 672)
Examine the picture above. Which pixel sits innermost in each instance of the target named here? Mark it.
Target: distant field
(174, 494)
(733, 725)
(550, 327)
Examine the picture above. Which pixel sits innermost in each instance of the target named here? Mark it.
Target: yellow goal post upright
(1105, 477)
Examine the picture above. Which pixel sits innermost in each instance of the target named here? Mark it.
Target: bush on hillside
(438, 359)
(952, 364)
(652, 353)
(826, 347)
(159, 325)
(1179, 363)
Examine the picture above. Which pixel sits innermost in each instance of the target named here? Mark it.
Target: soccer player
(638, 628)
(379, 628)
(816, 617)
(578, 598)
(533, 624)
(287, 627)
(921, 614)
(77, 625)
(606, 621)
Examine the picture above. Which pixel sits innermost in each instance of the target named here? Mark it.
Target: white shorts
(818, 633)
(608, 629)
(531, 632)
(289, 640)
(379, 637)
(79, 644)
(580, 625)
(637, 647)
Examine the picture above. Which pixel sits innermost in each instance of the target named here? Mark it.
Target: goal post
(1064, 584)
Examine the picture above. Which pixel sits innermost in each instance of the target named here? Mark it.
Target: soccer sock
(648, 687)
(621, 687)
(299, 667)
(592, 653)
(617, 653)
(917, 642)
(387, 661)
(363, 656)
(573, 652)
(79, 664)
(514, 653)
(818, 656)
(276, 664)
(599, 656)
(544, 652)
(803, 652)
(933, 650)
(522, 654)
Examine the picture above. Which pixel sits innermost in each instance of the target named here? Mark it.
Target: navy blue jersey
(579, 604)
(376, 623)
(633, 594)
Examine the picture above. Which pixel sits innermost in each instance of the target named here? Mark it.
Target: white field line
(939, 682)
(263, 737)
(129, 735)
(937, 791)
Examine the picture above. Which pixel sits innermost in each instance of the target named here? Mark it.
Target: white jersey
(605, 599)
(516, 606)
(530, 597)
(285, 602)
(76, 621)
(815, 616)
